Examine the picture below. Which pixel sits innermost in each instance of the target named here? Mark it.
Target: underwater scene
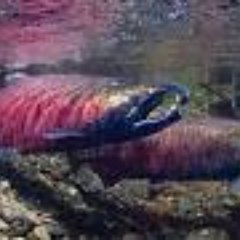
(119, 120)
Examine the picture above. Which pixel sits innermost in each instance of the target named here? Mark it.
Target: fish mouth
(121, 124)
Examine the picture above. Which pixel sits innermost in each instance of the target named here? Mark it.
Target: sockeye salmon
(49, 114)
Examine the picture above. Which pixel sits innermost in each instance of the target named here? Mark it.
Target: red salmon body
(34, 106)
(183, 151)
(36, 112)
(47, 30)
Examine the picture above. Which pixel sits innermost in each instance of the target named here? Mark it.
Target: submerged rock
(175, 210)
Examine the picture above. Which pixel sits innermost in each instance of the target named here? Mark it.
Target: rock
(4, 237)
(39, 233)
(133, 236)
(187, 200)
(206, 234)
(4, 227)
(72, 191)
(88, 179)
(131, 189)
(20, 225)
(55, 231)
(235, 186)
(5, 186)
